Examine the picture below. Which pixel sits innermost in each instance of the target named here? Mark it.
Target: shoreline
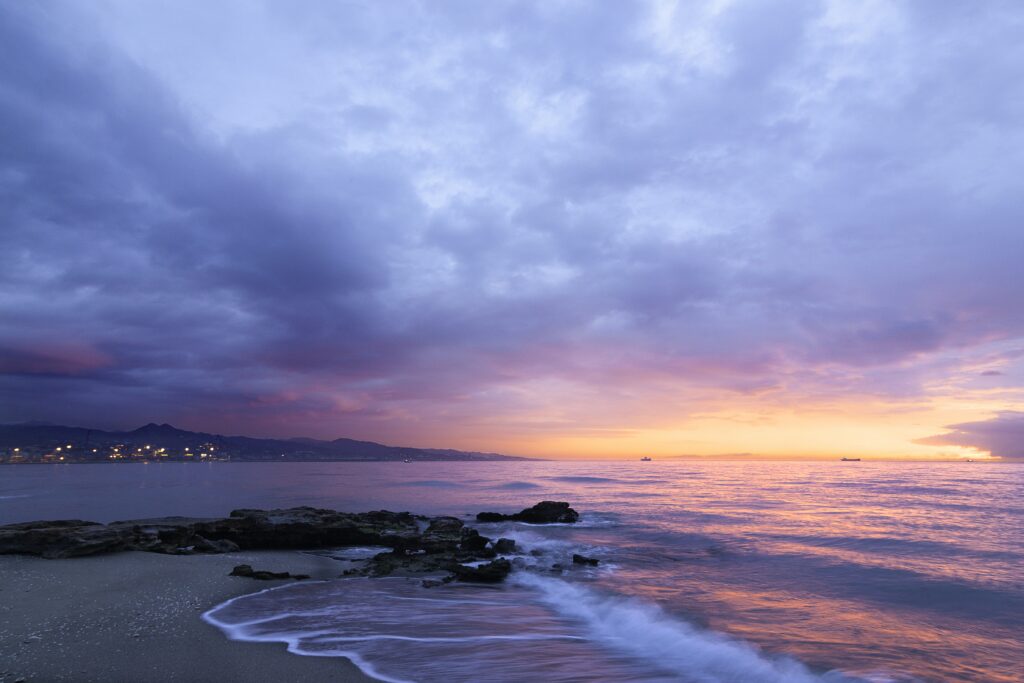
(131, 616)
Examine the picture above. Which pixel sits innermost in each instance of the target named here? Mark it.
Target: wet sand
(136, 617)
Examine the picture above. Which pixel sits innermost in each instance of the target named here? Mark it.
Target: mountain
(43, 443)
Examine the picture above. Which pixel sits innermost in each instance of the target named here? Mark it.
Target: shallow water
(813, 571)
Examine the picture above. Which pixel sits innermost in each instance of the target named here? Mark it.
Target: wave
(533, 628)
(516, 485)
(586, 480)
(645, 631)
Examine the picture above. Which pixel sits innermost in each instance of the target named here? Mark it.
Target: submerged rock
(545, 512)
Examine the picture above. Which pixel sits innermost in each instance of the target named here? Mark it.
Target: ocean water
(710, 572)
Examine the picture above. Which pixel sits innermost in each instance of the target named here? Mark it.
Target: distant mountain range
(37, 442)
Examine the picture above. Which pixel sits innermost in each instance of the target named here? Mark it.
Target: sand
(136, 617)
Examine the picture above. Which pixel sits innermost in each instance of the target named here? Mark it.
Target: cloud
(369, 219)
(1002, 436)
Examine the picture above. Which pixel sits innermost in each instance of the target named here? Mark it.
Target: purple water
(711, 571)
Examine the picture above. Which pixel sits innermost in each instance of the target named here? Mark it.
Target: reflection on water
(882, 570)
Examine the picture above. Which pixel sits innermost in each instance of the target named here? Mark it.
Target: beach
(136, 616)
(708, 571)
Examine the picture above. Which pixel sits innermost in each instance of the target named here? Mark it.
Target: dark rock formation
(443, 534)
(203, 545)
(62, 538)
(445, 525)
(545, 512)
(387, 564)
(248, 572)
(306, 527)
(504, 546)
(295, 528)
(492, 572)
(472, 540)
(446, 545)
(581, 559)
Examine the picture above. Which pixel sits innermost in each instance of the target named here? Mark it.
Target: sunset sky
(558, 228)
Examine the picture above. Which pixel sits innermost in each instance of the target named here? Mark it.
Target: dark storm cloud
(328, 212)
(1002, 436)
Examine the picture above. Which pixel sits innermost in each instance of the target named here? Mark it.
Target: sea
(710, 572)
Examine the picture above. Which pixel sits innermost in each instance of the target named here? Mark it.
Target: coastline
(135, 616)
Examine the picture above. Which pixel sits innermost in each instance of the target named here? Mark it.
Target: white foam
(644, 631)
(433, 639)
(241, 631)
(449, 639)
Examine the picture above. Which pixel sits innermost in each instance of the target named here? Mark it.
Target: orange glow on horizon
(866, 430)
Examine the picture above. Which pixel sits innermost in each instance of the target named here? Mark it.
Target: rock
(293, 528)
(549, 512)
(202, 545)
(504, 546)
(445, 525)
(160, 535)
(62, 538)
(386, 564)
(580, 559)
(545, 512)
(472, 540)
(492, 572)
(248, 572)
(444, 534)
(492, 517)
(306, 527)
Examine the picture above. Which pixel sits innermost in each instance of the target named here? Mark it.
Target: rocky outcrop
(581, 559)
(261, 575)
(306, 527)
(295, 528)
(446, 545)
(472, 540)
(203, 545)
(545, 512)
(63, 538)
(504, 546)
(492, 572)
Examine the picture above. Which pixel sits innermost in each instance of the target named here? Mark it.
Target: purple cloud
(361, 218)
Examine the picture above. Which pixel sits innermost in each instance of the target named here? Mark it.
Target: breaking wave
(534, 628)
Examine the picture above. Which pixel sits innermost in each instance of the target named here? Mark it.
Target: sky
(558, 228)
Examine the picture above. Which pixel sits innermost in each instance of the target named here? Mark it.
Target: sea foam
(534, 628)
